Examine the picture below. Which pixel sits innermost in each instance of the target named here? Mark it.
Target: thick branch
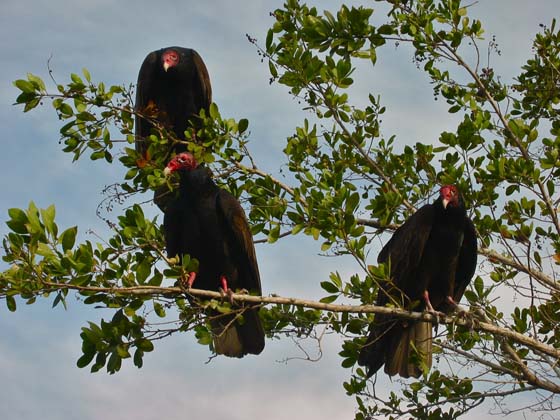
(400, 313)
(526, 373)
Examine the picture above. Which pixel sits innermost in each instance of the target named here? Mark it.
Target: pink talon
(427, 300)
(223, 280)
(190, 280)
(452, 302)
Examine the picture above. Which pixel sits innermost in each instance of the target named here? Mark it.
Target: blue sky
(39, 346)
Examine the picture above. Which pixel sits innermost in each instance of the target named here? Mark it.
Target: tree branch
(263, 174)
(544, 192)
(470, 355)
(526, 373)
(538, 275)
(400, 313)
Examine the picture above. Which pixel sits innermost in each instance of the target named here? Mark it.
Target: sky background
(39, 346)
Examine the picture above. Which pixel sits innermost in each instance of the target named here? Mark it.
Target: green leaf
(203, 335)
(85, 360)
(114, 363)
(35, 226)
(45, 250)
(272, 69)
(269, 36)
(68, 238)
(348, 363)
(122, 351)
(66, 110)
(85, 116)
(315, 233)
(32, 103)
(37, 81)
(242, 125)
(297, 228)
(59, 298)
(86, 74)
(48, 216)
(18, 220)
(143, 270)
(329, 287)
(329, 299)
(335, 278)
(24, 86)
(274, 234)
(138, 356)
(454, 109)
(145, 345)
(11, 303)
(76, 79)
(214, 112)
(159, 309)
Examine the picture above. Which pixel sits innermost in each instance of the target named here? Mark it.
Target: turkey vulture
(209, 224)
(432, 258)
(173, 86)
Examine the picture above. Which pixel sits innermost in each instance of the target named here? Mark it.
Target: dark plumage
(432, 258)
(173, 86)
(209, 224)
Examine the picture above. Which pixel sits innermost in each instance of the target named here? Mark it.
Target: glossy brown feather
(435, 250)
(209, 224)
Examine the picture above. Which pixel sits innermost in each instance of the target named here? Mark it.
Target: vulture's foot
(452, 302)
(187, 283)
(429, 307)
(225, 290)
(460, 312)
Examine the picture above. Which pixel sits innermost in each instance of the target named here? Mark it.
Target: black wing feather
(241, 240)
(204, 86)
(466, 265)
(240, 244)
(405, 248)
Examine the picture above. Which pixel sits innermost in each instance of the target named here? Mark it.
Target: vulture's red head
(181, 161)
(170, 58)
(449, 196)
